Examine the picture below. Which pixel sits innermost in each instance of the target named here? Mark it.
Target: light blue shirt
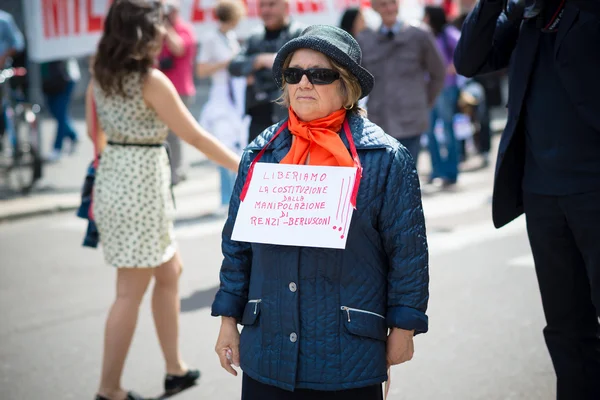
(10, 35)
(396, 28)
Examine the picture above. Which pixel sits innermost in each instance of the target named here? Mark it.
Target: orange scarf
(320, 139)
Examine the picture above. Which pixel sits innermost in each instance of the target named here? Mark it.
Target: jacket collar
(366, 136)
(396, 28)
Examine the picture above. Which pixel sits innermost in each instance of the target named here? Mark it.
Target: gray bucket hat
(335, 43)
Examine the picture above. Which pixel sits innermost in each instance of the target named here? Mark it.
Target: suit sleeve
(487, 40)
(402, 230)
(590, 6)
(232, 296)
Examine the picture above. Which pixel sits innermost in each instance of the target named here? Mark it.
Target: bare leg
(120, 325)
(165, 308)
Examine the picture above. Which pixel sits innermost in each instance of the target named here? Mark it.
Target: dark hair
(348, 18)
(130, 43)
(229, 10)
(437, 19)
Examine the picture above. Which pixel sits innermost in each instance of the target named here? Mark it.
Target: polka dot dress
(133, 207)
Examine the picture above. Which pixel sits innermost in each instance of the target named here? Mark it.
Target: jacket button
(293, 337)
(292, 287)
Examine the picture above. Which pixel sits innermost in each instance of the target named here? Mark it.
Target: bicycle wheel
(26, 167)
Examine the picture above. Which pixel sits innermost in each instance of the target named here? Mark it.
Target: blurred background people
(353, 21)
(176, 62)
(491, 85)
(132, 106)
(11, 38)
(11, 44)
(255, 62)
(444, 165)
(58, 81)
(410, 73)
(223, 113)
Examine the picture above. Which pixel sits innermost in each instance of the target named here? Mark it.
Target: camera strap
(554, 23)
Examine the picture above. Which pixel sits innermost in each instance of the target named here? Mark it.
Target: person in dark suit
(549, 163)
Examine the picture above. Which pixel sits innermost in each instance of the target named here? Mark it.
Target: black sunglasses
(316, 76)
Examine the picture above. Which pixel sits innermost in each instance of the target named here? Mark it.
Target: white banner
(297, 205)
(57, 29)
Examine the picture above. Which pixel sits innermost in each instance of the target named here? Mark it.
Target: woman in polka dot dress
(135, 106)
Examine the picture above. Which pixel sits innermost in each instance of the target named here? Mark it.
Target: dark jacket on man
(560, 161)
(261, 95)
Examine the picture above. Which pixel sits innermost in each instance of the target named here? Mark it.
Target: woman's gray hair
(349, 88)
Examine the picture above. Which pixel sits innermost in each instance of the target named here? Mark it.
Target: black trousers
(564, 233)
(484, 139)
(253, 390)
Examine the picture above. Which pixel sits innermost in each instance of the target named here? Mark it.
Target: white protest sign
(297, 205)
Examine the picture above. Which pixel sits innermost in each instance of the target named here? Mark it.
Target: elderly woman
(325, 323)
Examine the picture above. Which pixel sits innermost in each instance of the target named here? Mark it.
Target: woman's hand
(400, 347)
(228, 345)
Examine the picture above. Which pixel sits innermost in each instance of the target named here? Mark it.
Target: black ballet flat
(130, 396)
(175, 384)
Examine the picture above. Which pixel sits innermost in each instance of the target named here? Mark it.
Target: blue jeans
(446, 166)
(227, 183)
(58, 104)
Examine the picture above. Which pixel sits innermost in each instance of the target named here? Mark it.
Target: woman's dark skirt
(254, 390)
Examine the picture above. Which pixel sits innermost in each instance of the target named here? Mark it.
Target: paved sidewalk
(59, 190)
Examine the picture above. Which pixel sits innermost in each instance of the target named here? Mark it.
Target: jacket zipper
(348, 309)
(255, 304)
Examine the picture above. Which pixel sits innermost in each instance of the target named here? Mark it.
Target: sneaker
(73, 147)
(54, 156)
(485, 160)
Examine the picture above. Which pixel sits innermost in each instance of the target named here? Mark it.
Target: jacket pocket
(365, 323)
(251, 312)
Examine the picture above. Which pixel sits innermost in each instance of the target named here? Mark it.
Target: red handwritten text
(273, 205)
(295, 176)
(302, 221)
(299, 189)
(264, 221)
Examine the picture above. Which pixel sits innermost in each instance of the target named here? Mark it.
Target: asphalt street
(485, 339)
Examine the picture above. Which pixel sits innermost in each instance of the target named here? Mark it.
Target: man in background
(176, 61)
(255, 62)
(11, 39)
(11, 44)
(409, 74)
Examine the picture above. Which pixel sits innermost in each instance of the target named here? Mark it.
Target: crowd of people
(241, 100)
(326, 323)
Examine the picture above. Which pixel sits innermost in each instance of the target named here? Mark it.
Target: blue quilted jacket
(316, 318)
